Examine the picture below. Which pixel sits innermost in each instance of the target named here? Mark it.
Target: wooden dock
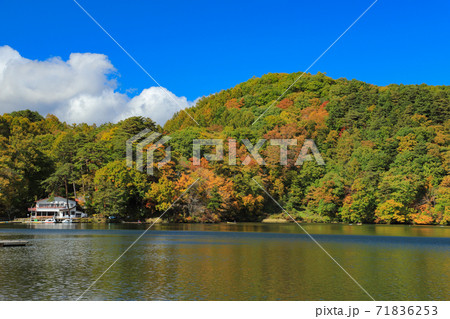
(13, 243)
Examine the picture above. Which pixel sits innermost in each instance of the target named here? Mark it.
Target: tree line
(386, 151)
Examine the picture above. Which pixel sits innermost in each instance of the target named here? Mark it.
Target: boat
(49, 221)
(66, 221)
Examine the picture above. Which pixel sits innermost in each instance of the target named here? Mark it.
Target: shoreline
(267, 221)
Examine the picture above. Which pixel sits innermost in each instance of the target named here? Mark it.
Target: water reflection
(225, 262)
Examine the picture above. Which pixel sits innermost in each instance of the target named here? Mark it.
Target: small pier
(13, 243)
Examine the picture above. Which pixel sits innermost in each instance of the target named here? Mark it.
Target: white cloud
(154, 101)
(77, 90)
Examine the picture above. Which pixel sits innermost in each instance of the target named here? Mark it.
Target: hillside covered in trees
(386, 149)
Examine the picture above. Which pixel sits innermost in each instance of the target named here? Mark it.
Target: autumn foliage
(386, 150)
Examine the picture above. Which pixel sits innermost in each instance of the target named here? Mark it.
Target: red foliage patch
(285, 103)
(234, 103)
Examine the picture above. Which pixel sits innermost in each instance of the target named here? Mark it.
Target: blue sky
(195, 48)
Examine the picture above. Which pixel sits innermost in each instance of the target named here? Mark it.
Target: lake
(247, 261)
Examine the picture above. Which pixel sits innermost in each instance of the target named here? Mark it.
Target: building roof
(55, 199)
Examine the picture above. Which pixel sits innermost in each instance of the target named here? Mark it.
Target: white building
(56, 209)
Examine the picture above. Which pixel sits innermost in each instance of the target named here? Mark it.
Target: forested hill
(386, 151)
(386, 148)
(350, 104)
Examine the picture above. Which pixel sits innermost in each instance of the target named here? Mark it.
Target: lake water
(225, 262)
